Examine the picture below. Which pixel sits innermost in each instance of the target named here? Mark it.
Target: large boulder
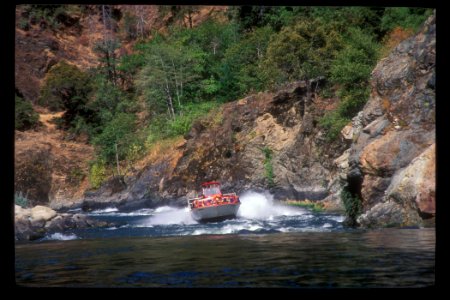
(389, 214)
(35, 223)
(416, 184)
(42, 213)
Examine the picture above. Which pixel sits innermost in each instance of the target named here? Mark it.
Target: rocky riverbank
(34, 223)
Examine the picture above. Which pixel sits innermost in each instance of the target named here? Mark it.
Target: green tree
(106, 48)
(405, 17)
(169, 71)
(351, 72)
(116, 137)
(303, 51)
(240, 70)
(367, 19)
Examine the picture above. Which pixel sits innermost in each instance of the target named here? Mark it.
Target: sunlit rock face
(394, 152)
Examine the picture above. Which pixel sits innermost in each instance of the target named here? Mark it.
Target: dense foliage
(132, 100)
(25, 116)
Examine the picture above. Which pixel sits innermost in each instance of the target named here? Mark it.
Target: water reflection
(380, 258)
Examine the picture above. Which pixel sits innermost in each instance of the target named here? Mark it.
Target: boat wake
(260, 206)
(258, 214)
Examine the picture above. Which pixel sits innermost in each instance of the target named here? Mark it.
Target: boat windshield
(212, 190)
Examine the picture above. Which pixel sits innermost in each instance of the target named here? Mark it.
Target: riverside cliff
(260, 142)
(392, 161)
(271, 140)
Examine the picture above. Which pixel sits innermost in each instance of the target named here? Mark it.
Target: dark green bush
(405, 17)
(25, 116)
(351, 72)
(333, 122)
(352, 205)
(65, 87)
(268, 168)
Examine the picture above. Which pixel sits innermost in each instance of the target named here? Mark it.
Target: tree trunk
(168, 94)
(176, 85)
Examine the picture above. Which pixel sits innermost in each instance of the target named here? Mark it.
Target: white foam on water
(167, 215)
(288, 229)
(228, 229)
(261, 206)
(163, 209)
(140, 212)
(61, 237)
(339, 219)
(258, 212)
(104, 211)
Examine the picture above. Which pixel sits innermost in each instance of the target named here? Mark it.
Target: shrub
(314, 206)
(268, 168)
(65, 87)
(119, 131)
(161, 127)
(352, 205)
(76, 175)
(333, 123)
(393, 38)
(21, 200)
(25, 116)
(97, 173)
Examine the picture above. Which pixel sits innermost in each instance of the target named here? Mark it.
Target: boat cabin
(211, 188)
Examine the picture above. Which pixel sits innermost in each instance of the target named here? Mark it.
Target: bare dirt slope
(47, 155)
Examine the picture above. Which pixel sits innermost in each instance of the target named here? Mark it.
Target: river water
(268, 245)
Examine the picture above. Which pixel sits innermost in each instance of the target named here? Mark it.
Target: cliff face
(392, 161)
(271, 141)
(265, 141)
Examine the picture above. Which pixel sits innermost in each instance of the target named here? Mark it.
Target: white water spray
(61, 237)
(166, 215)
(254, 206)
(261, 206)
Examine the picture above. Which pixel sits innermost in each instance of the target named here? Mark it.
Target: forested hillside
(135, 82)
